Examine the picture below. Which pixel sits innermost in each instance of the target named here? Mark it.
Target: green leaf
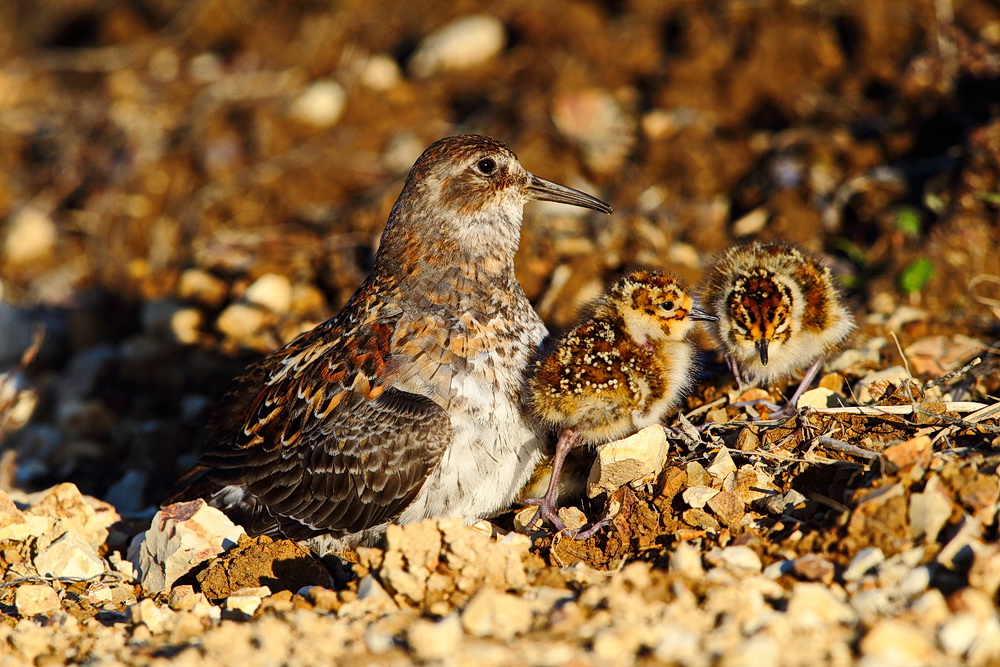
(916, 275)
(908, 221)
(988, 197)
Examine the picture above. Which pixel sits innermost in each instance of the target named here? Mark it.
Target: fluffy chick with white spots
(618, 371)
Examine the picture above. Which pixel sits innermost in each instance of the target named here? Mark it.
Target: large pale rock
(636, 457)
(70, 555)
(71, 510)
(181, 536)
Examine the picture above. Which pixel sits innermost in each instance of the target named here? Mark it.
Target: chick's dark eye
(667, 305)
(487, 165)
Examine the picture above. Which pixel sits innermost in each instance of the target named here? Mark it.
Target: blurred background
(187, 184)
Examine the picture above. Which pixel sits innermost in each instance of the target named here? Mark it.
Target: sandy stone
(322, 598)
(699, 518)
(930, 510)
(573, 517)
(697, 475)
(863, 562)
(985, 571)
(240, 607)
(812, 567)
(180, 536)
(241, 321)
(381, 73)
(698, 496)
(461, 44)
(957, 634)
(937, 355)
(871, 387)
(880, 517)
(820, 397)
(31, 236)
(959, 551)
(434, 640)
(320, 105)
(598, 123)
(685, 559)
(148, 613)
(71, 510)
(722, 465)
(749, 439)
(491, 613)
(17, 526)
(639, 456)
(814, 605)
(728, 507)
(272, 291)
(739, 560)
(69, 555)
(896, 642)
(523, 516)
(202, 287)
(35, 599)
(443, 559)
(913, 453)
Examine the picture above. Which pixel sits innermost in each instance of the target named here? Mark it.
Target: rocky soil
(187, 185)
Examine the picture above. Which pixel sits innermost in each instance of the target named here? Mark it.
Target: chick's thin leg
(547, 507)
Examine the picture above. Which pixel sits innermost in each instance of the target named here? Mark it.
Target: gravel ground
(185, 186)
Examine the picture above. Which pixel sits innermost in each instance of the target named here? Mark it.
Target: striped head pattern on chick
(618, 371)
(778, 311)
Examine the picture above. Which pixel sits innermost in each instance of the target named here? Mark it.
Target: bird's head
(655, 306)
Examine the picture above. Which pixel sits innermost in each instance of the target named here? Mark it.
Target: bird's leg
(547, 507)
(807, 380)
(734, 368)
(737, 371)
(786, 410)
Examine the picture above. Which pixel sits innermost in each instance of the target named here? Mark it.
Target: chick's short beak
(540, 189)
(762, 350)
(699, 315)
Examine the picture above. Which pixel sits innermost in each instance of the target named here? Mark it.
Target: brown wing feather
(325, 443)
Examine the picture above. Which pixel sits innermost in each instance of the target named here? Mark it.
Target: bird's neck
(447, 256)
(449, 275)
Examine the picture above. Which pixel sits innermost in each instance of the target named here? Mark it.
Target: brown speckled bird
(407, 404)
(778, 312)
(618, 371)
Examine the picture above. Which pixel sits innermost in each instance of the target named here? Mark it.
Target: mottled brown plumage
(618, 371)
(406, 404)
(778, 311)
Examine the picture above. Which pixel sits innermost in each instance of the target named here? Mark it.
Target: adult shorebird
(778, 311)
(619, 370)
(407, 404)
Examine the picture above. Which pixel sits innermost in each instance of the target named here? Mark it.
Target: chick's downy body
(406, 405)
(778, 311)
(620, 370)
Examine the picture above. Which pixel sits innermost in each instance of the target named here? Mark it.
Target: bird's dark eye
(667, 305)
(487, 165)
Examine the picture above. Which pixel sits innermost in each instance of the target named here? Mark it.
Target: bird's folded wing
(328, 444)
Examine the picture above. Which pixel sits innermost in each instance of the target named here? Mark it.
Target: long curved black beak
(762, 349)
(543, 190)
(699, 315)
